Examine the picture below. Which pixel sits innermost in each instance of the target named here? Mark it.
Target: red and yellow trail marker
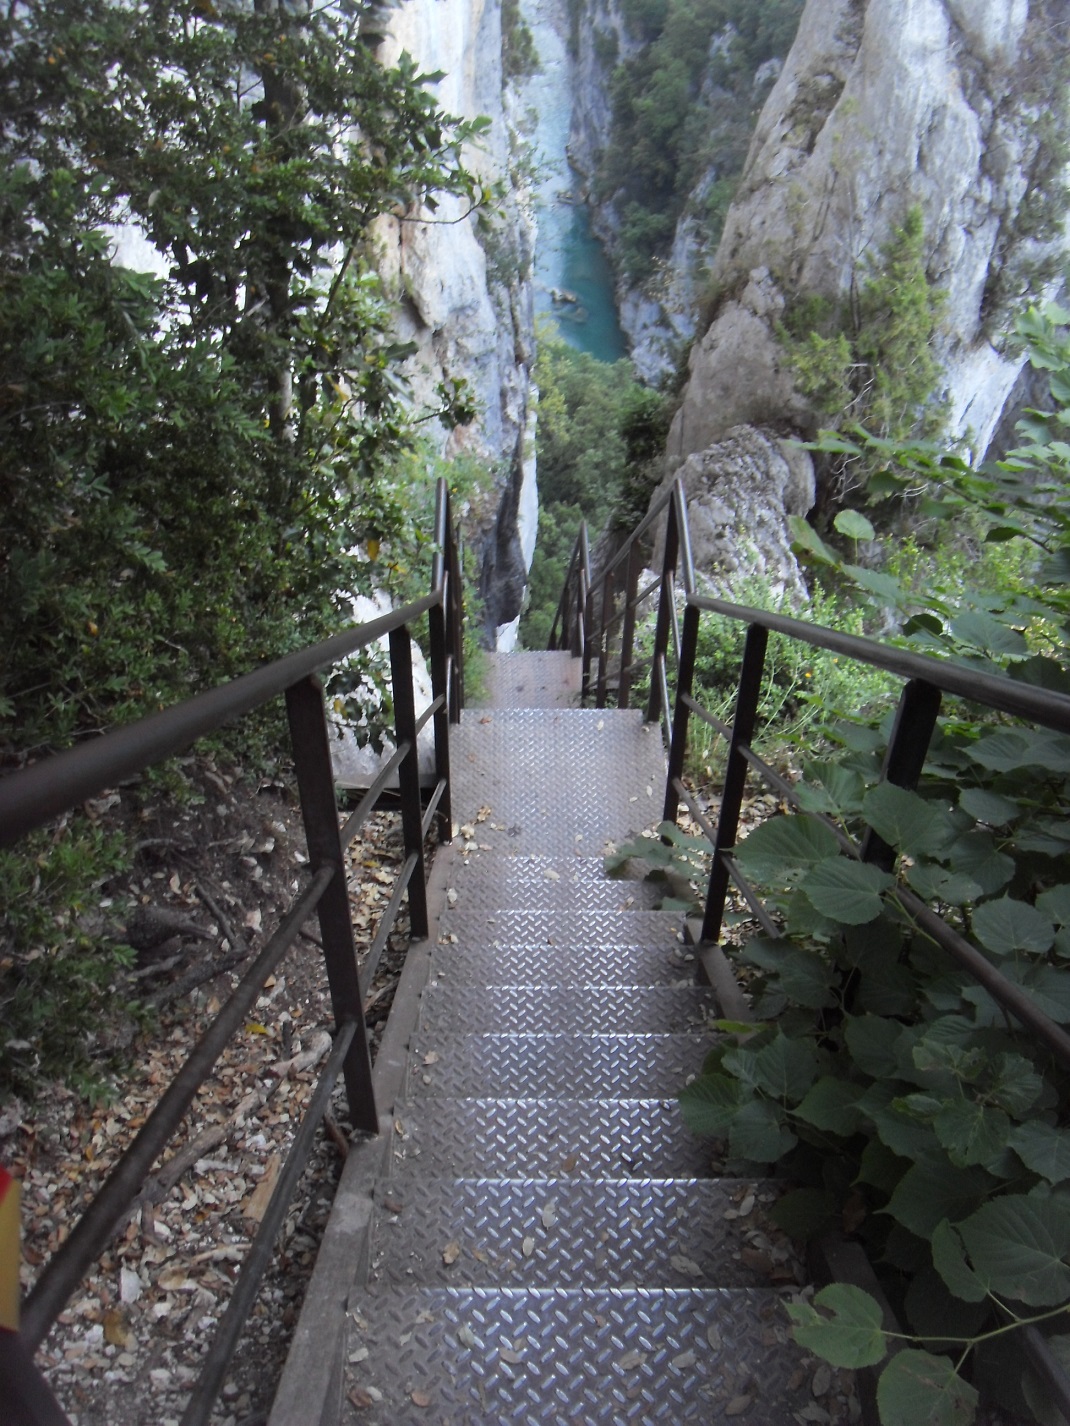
(9, 1252)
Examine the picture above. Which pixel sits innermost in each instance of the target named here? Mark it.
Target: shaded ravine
(570, 264)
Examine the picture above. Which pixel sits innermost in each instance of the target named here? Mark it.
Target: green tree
(189, 461)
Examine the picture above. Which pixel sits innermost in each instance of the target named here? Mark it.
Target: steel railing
(588, 616)
(33, 796)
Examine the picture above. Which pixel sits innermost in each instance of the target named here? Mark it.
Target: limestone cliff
(464, 282)
(952, 106)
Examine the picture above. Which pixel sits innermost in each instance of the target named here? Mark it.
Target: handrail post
(409, 776)
(315, 782)
(608, 595)
(904, 759)
(584, 614)
(681, 713)
(454, 618)
(743, 723)
(627, 636)
(665, 600)
(439, 626)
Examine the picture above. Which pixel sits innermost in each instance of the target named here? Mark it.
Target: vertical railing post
(627, 636)
(584, 614)
(735, 781)
(664, 620)
(908, 746)
(437, 622)
(409, 776)
(315, 782)
(455, 624)
(681, 713)
(605, 616)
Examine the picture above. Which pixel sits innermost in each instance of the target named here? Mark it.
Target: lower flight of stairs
(546, 1242)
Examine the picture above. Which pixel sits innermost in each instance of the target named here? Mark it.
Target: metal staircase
(543, 1242)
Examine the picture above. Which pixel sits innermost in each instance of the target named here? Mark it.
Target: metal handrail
(926, 680)
(32, 796)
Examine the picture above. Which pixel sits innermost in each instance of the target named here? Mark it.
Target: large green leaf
(851, 1337)
(839, 789)
(1043, 1148)
(759, 1133)
(972, 1133)
(1007, 925)
(906, 821)
(989, 634)
(990, 807)
(933, 1188)
(1016, 1245)
(832, 1104)
(918, 1389)
(709, 1104)
(1014, 749)
(854, 525)
(786, 1068)
(1055, 902)
(805, 978)
(949, 1259)
(976, 855)
(871, 1041)
(847, 891)
(936, 883)
(780, 849)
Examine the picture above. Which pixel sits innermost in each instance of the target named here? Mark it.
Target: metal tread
(557, 781)
(557, 927)
(537, 679)
(556, 1357)
(487, 882)
(546, 1138)
(509, 963)
(571, 1010)
(448, 1232)
(554, 1066)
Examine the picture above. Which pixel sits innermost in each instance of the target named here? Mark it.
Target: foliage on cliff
(598, 434)
(191, 460)
(684, 107)
(906, 1106)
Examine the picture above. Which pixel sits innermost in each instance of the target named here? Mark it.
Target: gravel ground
(128, 1347)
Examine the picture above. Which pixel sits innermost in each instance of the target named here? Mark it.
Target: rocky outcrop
(740, 491)
(946, 105)
(465, 290)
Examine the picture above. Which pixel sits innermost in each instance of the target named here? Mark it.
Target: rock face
(740, 491)
(884, 105)
(466, 296)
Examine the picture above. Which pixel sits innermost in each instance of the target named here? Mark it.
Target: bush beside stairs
(534, 1236)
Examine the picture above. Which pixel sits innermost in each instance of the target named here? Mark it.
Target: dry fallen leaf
(631, 1360)
(549, 1214)
(513, 1358)
(255, 1205)
(684, 1360)
(451, 1252)
(117, 1332)
(361, 1398)
(738, 1405)
(528, 1247)
(431, 1058)
(466, 1336)
(687, 1266)
(420, 1398)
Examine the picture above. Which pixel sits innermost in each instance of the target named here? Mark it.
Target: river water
(573, 282)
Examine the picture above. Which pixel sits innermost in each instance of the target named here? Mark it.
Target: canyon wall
(949, 106)
(463, 285)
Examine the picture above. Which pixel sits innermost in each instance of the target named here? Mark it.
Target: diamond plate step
(562, 928)
(557, 1357)
(486, 882)
(546, 1138)
(508, 964)
(531, 680)
(568, 1010)
(548, 1233)
(558, 781)
(555, 1066)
